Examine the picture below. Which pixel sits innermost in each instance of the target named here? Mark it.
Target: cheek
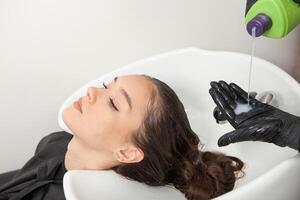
(97, 129)
(97, 121)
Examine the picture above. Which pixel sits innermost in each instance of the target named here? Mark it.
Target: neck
(103, 161)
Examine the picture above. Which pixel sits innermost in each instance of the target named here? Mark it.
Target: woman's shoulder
(60, 138)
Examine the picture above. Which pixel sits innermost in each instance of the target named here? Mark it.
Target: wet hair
(172, 151)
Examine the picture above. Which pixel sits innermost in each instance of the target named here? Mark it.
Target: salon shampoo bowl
(271, 172)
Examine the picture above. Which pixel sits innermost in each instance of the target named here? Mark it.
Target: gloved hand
(262, 123)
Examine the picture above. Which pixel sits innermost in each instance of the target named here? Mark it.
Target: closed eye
(104, 85)
(111, 102)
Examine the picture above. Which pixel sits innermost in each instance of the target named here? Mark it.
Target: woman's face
(105, 122)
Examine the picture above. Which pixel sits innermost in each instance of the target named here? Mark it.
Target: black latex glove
(262, 123)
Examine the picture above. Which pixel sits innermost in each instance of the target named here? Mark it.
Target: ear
(130, 154)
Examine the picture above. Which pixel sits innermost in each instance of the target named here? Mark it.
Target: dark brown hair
(171, 151)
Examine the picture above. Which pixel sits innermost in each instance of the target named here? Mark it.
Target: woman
(136, 126)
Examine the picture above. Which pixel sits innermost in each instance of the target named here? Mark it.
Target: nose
(92, 94)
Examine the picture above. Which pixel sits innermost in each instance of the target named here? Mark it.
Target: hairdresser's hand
(262, 123)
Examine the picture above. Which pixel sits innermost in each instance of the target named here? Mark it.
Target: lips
(77, 105)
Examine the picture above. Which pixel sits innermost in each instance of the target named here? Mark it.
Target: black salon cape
(41, 177)
(299, 144)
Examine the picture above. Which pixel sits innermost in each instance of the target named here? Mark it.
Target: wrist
(292, 138)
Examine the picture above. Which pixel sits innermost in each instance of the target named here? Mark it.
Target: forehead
(139, 89)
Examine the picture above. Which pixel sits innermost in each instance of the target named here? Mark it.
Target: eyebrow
(125, 94)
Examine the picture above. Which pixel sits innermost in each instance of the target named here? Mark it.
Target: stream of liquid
(241, 108)
(251, 60)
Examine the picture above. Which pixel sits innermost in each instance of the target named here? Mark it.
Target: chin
(70, 116)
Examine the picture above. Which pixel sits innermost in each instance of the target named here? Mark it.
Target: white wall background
(49, 48)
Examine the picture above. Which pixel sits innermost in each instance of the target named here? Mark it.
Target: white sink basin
(271, 172)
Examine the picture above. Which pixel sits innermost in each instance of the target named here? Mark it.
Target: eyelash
(111, 103)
